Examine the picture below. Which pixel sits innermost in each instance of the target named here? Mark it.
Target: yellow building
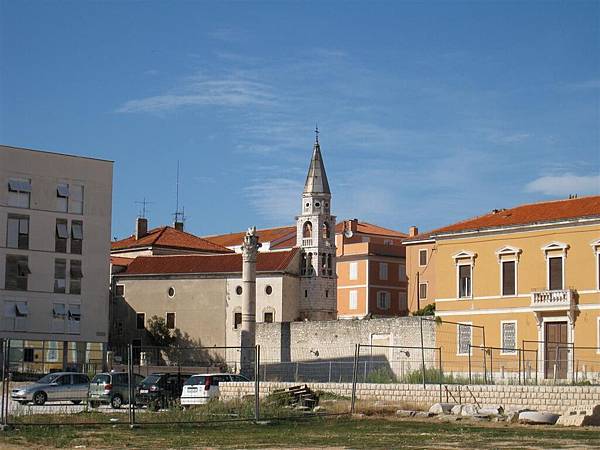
(524, 282)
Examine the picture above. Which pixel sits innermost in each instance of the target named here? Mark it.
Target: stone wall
(557, 399)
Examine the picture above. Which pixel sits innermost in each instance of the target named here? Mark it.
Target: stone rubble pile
(585, 416)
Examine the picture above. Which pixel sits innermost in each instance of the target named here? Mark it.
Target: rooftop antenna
(179, 215)
(144, 210)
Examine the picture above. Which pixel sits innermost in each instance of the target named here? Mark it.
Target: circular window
(171, 292)
(326, 205)
(269, 289)
(307, 205)
(317, 204)
(238, 290)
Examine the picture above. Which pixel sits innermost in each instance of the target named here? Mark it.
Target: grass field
(339, 432)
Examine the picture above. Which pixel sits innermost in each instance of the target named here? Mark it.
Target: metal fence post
(354, 375)
(2, 418)
(491, 365)
(422, 354)
(6, 381)
(536, 366)
(470, 369)
(441, 371)
(484, 366)
(257, 384)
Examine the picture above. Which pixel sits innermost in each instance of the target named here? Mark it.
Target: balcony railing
(558, 299)
(306, 242)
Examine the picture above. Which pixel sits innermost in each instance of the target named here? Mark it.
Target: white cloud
(565, 184)
(588, 84)
(231, 91)
(276, 199)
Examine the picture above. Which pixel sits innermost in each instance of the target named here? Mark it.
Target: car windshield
(151, 379)
(101, 378)
(195, 380)
(50, 378)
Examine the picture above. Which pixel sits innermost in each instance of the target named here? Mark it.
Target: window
(140, 321)
(119, 290)
(509, 337)
(402, 301)
(74, 318)
(61, 237)
(60, 276)
(401, 272)
(62, 197)
(171, 320)
(307, 230)
(464, 338)
(268, 317)
(15, 315)
(75, 199)
(17, 272)
(237, 320)
(422, 290)
(171, 292)
(52, 351)
(509, 277)
(423, 257)
(17, 232)
(59, 314)
(555, 273)
(19, 192)
(238, 290)
(464, 281)
(28, 355)
(268, 289)
(305, 293)
(76, 276)
(383, 300)
(353, 266)
(326, 233)
(353, 299)
(326, 293)
(76, 237)
(388, 242)
(383, 271)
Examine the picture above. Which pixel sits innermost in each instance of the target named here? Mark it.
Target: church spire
(316, 180)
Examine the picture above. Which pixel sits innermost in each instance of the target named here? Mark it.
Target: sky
(429, 112)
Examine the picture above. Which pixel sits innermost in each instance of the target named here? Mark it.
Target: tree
(428, 310)
(159, 333)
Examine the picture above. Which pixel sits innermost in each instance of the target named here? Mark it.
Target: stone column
(248, 336)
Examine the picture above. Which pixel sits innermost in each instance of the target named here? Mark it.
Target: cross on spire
(316, 133)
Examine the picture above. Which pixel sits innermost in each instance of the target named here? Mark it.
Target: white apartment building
(55, 218)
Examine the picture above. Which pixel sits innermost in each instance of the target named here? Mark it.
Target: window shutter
(508, 278)
(556, 281)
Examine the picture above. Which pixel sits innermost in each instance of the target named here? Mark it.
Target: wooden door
(556, 350)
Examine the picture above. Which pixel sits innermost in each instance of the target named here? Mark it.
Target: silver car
(57, 386)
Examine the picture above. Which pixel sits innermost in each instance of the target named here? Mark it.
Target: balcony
(307, 242)
(558, 300)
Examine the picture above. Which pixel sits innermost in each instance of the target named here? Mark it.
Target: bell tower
(315, 231)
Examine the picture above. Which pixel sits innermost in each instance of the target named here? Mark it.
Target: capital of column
(250, 246)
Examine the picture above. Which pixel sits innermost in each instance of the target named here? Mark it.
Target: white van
(200, 388)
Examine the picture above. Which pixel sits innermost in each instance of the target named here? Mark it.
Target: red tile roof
(264, 235)
(533, 213)
(120, 261)
(232, 263)
(169, 237)
(369, 228)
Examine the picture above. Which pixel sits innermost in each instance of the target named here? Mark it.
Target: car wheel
(39, 398)
(116, 402)
(76, 402)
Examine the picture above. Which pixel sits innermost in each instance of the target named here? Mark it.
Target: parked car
(57, 386)
(112, 388)
(201, 388)
(160, 390)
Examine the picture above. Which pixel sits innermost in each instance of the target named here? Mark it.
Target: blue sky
(429, 112)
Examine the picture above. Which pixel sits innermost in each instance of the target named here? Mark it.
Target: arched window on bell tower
(326, 231)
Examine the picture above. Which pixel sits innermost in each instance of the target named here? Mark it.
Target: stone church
(196, 286)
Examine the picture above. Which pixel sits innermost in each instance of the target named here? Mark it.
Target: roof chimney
(413, 231)
(178, 225)
(353, 225)
(141, 227)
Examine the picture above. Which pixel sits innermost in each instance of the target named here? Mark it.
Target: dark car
(112, 388)
(160, 390)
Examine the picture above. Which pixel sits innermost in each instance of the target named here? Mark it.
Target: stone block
(538, 418)
(441, 408)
